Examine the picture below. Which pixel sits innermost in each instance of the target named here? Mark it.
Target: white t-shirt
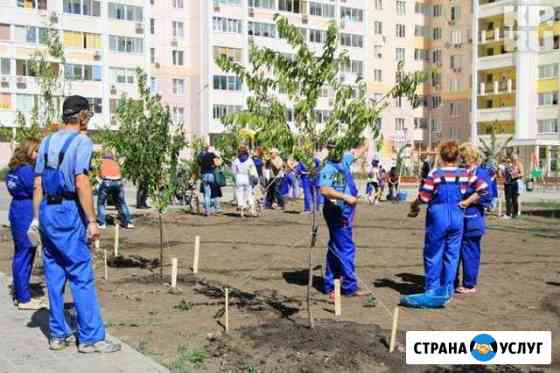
(243, 170)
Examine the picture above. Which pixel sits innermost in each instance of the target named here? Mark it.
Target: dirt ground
(263, 262)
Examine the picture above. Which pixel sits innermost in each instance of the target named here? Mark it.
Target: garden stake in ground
(394, 329)
(96, 246)
(173, 273)
(227, 310)
(196, 254)
(337, 300)
(116, 238)
(105, 264)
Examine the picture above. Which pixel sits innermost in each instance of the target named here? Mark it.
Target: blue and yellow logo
(483, 347)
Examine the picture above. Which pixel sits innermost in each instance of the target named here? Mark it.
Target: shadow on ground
(411, 284)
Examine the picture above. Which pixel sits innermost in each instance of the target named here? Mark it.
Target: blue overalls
(66, 254)
(19, 182)
(306, 186)
(339, 216)
(443, 189)
(474, 229)
(317, 185)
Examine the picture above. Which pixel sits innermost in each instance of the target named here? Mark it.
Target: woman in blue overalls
(305, 183)
(444, 191)
(20, 185)
(474, 221)
(340, 196)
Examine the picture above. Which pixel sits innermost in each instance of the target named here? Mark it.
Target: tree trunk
(161, 246)
(314, 229)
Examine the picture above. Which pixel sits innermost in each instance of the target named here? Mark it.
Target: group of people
(53, 206)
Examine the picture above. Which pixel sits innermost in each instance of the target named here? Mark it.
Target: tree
(493, 148)
(303, 76)
(45, 65)
(148, 143)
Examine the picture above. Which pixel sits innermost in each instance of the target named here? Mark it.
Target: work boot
(104, 347)
(58, 344)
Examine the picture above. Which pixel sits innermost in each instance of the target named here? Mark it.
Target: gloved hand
(34, 234)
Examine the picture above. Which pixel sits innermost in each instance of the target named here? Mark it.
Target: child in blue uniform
(444, 191)
(19, 182)
(474, 220)
(340, 196)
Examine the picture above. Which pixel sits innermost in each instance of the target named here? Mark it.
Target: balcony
(500, 114)
(496, 35)
(497, 88)
(496, 62)
(495, 8)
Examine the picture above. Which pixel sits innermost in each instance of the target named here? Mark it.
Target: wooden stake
(337, 300)
(394, 329)
(173, 273)
(96, 245)
(105, 261)
(196, 254)
(116, 238)
(227, 310)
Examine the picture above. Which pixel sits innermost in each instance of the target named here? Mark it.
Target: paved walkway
(24, 348)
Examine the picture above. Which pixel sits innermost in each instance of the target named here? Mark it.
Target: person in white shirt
(246, 178)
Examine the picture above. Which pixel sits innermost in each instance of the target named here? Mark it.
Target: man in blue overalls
(303, 174)
(63, 212)
(340, 196)
(444, 191)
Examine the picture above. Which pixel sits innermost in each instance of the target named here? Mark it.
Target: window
(436, 125)
(227, 2)
(120, 75)
(178, 87)
(377, 75)
(219, 111)
(126, 44)
(266, 30)
(354, 67)
(419, 8)
(420, 30)
(153, 85)
(547, 126)
(398, 101)
(96, 104)
(436, 57)
(452, 132)
(233, 53)
(152, 26)
(31, 34)
(455, 109)
(455, 85)
(399, 124)
(178, 114)
(178, 4)
(227, 25)
(317, 36)
(32, 4)
(420, 55)
(456, 37)
(4, 32)
(82, 7)
(377, 51)
(152, 55)
(436, 79)
(401, 31)
(82, 72)
(25, 103)
(419, 123)
(5, 101)
(227, 83)
(177, 58)
(548, 98)
(125, 12)
(351, 14)
(292, 6)
(548, 71)
(5, 66)
(455, 12)
(267, 4)
(178, 29)
(401, 8)
(322, 116)
(456, 61)
(436, 102)
(437, 11)
(378, 4)
(436, 34)
(23, 68)
(352, 40)
(378, 28)
(321, 9)
(399, 55)
(82, 40)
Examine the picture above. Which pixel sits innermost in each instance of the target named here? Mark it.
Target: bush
(3, 172)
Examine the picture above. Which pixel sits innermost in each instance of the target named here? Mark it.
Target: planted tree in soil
(148, 144)
(292, 125)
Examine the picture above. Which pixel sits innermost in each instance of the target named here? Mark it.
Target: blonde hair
(23, 153)
(469, 153)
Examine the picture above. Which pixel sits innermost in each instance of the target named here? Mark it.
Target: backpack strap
(65, 148)
(46, 155)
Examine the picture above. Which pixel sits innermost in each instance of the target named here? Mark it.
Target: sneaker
(33, 305)
(101, 226)
(506, 217)
(130, 226)
(103, 347)
(58, 344)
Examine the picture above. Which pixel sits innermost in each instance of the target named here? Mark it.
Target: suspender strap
(65, 147)
(46, 155)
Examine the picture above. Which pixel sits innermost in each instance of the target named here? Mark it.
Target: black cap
(74, 104)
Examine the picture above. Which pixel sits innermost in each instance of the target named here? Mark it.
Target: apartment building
(517, 77)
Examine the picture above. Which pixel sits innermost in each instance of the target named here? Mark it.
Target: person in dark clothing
(512, 173)
(259, 163)
(208, 162)
(142, 197)
(274, 184)
(393, 181)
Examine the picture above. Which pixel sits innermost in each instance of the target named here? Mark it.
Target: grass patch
(183, 306)
(248, 367)
(188, 358)
(370, 301)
